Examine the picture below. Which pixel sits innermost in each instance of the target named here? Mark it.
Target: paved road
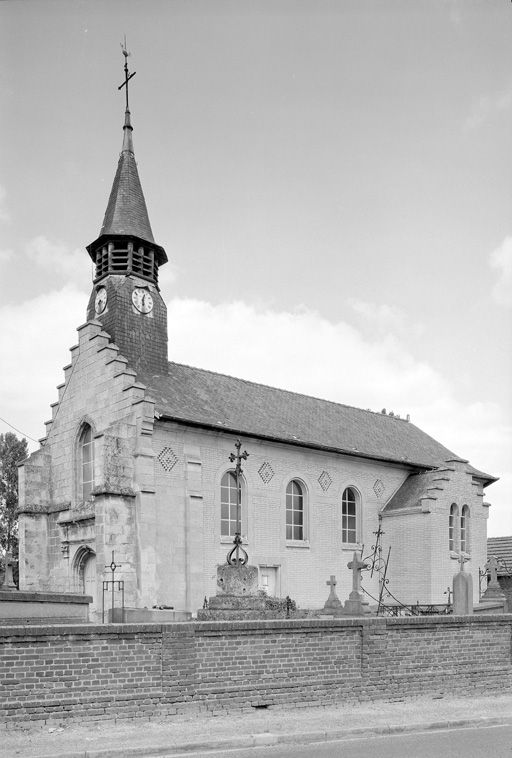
(480, 742)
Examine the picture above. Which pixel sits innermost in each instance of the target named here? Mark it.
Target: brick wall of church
(129, 671)
(189, 466)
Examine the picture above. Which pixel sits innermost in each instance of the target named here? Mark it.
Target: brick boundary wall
(89, 672)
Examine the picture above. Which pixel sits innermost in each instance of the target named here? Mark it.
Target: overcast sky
(331, 181)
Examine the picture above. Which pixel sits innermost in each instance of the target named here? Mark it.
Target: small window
(294, 511)
(86, 462)
(228, 505)
(452, 528)
(464, 530)
(349, 516)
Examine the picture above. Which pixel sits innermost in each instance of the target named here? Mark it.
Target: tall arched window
(452, 528)
(464, 530)
(86, 462)
(349, 516)
(228, 505)
(294, 511)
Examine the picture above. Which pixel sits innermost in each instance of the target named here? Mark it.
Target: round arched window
(230, 520)
(294, 511)
(349, 516)
(86, 462)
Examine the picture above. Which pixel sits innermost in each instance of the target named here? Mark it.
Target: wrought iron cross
(113, 566)
(127, 75)
(234, 558)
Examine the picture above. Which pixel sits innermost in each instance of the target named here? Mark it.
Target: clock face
(142, 300)
(100, 303)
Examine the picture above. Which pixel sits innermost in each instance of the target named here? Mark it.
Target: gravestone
(462, 591)
(493, 591)
(356, 605)
(333, 604)
(8, 583)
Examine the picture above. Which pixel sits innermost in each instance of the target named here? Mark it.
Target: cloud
(34, 342)
(69, 265)
(6, 255)
(501, 261)
(486, 107)
(384, 319)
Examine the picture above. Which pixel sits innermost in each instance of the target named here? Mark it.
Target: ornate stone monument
(356, 605)
(462, 591)
(237, 583)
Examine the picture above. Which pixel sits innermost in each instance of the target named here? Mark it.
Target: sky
(331, 181)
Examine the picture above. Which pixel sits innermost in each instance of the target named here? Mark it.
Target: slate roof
(415, 487)
(126, 210)
(217, 401)
(501, 548)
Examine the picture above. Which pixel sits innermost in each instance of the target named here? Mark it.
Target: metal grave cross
(233, 558)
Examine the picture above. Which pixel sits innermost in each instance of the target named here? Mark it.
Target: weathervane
(233, 557)
(127, 75)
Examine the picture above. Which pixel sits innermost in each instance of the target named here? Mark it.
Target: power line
(19, 430)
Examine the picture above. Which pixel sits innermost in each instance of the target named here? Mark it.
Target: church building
(136, 464)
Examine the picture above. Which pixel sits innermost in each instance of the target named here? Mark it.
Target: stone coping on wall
(24, 596)
(221, 627)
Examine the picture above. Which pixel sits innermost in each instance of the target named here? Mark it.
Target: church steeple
(122, 246)
(126, 297)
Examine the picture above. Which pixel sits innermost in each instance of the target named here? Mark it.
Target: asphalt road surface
(479, 742)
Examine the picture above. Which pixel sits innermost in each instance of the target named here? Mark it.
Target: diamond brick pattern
(378, 487)
(266, 472)
(167, 458)
(325, 480)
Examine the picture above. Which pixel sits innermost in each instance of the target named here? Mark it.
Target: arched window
(452, 528)
(228, 505)
(464, 530)
(85, 463)
(294, 511)
(349, 516)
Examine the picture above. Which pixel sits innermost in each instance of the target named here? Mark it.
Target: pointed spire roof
(126, 210)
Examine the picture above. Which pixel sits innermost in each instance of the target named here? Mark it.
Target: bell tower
(126, 296)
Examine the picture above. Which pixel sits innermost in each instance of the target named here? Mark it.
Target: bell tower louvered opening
(126, 258)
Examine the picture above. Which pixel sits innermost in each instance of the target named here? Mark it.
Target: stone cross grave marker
(492, 566)
(357, 565)
(8, 583)
(493, 591)
(355, 605)
(333, 602)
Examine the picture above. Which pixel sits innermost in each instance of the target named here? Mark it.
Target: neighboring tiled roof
(126, 210)
(501, 548)
(237, 405)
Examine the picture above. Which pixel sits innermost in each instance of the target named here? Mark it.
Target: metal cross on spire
(127, 75)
